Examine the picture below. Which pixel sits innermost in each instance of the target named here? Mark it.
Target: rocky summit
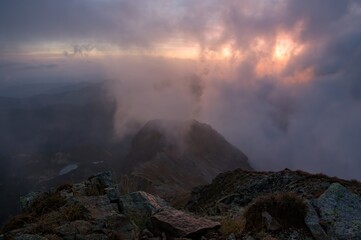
(94, 209)
(238, 204)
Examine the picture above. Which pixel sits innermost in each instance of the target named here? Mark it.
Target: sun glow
(226, 52)
(285, 48)
(274, 55)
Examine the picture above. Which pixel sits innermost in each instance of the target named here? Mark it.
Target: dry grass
(15, 222)
(142, 221)
(180, 200)
(66, 186)
(47, 204)
(36, 211)
(232, 224)
(73, 212)
(287, 208)
(130, 183)
(46, 213)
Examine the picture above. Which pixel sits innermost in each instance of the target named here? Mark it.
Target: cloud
(279, 78)
(80, 50)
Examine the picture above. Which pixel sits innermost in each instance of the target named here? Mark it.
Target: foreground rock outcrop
(94, 209)
(236, 205)
(321, 207)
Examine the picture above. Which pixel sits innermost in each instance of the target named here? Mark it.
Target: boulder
(141, 204)
(29, 237)
(176, 223)
(28, 200)
(94, 236)
(340, 209)
(121, 226)
(272, 223)
(313, 223)
(97, 206)
(67, 231)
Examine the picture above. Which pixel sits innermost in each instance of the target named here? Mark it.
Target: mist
(278, 79)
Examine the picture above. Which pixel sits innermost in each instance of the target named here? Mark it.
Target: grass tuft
(287, 208)
(232, 224)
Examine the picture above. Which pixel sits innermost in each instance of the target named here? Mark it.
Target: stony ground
(236, 205)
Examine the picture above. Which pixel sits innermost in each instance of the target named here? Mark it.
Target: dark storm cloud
(315, 126)
(121, 22)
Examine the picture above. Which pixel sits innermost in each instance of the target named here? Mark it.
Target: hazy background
(281, 80)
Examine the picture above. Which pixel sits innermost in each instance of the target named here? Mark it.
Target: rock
(26, 201)
(313, 223)
(248, 237)
(234, 189)
(79, 189)
(98, 206)
(94, 236)
(231, 237)
(29, 237)
(113, 194)
(341, 209)
(52, 237)
(141, 203)
(179, 224)
(122, 226)
(82, 227)
(100, 182)
(272, 224)
(67, 230)
(146, 233)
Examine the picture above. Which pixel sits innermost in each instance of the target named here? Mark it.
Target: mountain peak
(186, 153)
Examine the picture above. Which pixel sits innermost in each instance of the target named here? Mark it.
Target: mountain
(178, 155)
(56, 121)
(49, 139)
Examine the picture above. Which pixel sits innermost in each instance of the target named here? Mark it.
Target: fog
(279, 79)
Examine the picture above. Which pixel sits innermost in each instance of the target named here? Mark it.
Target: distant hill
(54, 121)
(178, 155)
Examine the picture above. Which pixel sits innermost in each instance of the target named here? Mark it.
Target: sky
(280, 79)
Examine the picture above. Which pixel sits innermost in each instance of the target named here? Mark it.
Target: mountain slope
(178, 155)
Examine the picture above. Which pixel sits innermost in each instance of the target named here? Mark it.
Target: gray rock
(82, 227)
(98, 206)
(67, 230)
(141, 203)
(79, 189)
(146, 233)
(313, 223)
(29, 237)
(231, 237)
(341, 209)
(121, 225)
(101, 181)
(179, 224)
(106, 179)
(94, 236)
(272, 224)
(113, 194)
(27, 200)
